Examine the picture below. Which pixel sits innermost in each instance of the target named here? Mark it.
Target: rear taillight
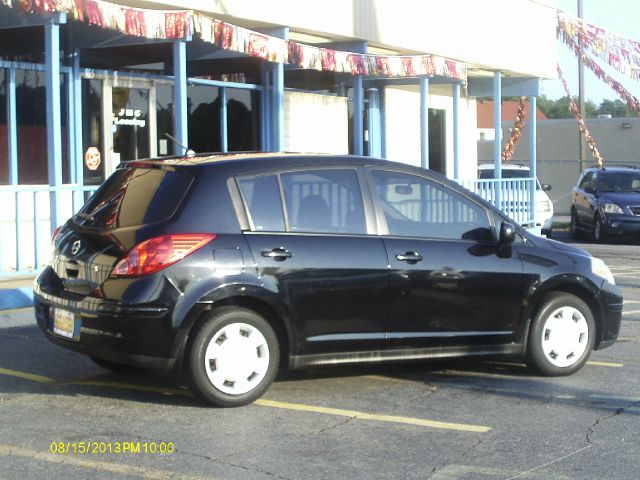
(159, 252)
(55, 233)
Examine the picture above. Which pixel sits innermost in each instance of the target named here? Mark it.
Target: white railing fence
(25, 223)
(513, 196)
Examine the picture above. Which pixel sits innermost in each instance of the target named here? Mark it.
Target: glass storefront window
(164, 116)
(32, 127)
(243, 120)
(204, 119)
(92, 141)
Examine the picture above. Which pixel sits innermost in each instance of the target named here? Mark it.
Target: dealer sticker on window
(64, 324)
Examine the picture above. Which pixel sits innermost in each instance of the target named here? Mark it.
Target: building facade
(87, 84)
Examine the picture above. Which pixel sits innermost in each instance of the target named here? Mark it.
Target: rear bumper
(139, 336)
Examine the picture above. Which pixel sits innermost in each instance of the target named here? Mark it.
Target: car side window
(324, 201)
(262, 198)
(587, 181)
(417, 207)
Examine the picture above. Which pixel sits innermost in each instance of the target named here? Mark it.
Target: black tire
(575, 230)
(229, 334)
(115, 367)
(556, 313)
(599, 235)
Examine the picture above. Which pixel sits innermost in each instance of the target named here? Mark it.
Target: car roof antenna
(188, 151)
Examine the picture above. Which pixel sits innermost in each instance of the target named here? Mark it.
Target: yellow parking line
(605, 364)
(27, 376)
(375, 417)
(114, 468)
(271, 403)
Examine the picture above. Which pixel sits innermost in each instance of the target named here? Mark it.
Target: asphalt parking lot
(62, 416)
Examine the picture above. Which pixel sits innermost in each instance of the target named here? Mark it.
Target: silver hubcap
(237, 358)
(565, 336)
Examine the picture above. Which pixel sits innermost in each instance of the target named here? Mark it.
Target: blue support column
(71, 131)
(180, 112)
(383, 124)
(456, 130)
(424, 122)
(224, 145)
(533, 154)
(373, 123)
(358, 108)
(276, 114)
(12, 124)
(54, 131)
(497, 128)
(265, 108)
(77, 149)
(277, 106)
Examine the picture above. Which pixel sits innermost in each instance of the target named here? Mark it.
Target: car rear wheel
(233, 357)
(562, 335)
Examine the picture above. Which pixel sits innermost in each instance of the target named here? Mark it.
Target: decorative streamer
(622, 92)
(583, 128)
(161, 24)
(510, 146)
(620, 53)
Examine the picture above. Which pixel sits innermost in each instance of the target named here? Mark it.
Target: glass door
(130, 123)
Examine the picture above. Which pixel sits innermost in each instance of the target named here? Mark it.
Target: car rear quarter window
(135, 196)
(415, 206)
(262, 198)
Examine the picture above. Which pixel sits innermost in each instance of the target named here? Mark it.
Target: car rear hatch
(131, 206)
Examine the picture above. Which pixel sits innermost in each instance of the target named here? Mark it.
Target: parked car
(544, 205)
(606, 202)
(229, 267)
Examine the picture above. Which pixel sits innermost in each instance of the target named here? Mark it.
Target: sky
(621, 17)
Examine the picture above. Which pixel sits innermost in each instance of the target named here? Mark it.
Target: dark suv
(606, 202)
(227, 267)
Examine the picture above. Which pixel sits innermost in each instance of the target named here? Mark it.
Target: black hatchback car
(606, 203)
(229, 267)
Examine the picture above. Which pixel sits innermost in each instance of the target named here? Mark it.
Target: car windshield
(619, 182)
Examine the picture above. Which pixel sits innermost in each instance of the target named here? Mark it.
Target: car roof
(268, 159)
(505, 166)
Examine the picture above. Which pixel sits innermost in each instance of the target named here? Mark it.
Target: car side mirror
(546, 187)
(507, 233)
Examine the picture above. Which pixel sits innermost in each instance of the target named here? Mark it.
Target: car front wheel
(599, 235)
(575, 231)
(233, 357)
(562, 335)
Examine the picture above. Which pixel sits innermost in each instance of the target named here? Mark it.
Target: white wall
(315, 123)
(402, 112)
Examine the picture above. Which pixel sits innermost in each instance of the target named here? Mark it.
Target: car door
(450, 282)
(584, 198)
(317, 254)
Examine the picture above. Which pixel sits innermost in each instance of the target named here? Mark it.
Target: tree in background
(560, 108)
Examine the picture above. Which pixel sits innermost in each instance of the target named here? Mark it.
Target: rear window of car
(135, 196)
